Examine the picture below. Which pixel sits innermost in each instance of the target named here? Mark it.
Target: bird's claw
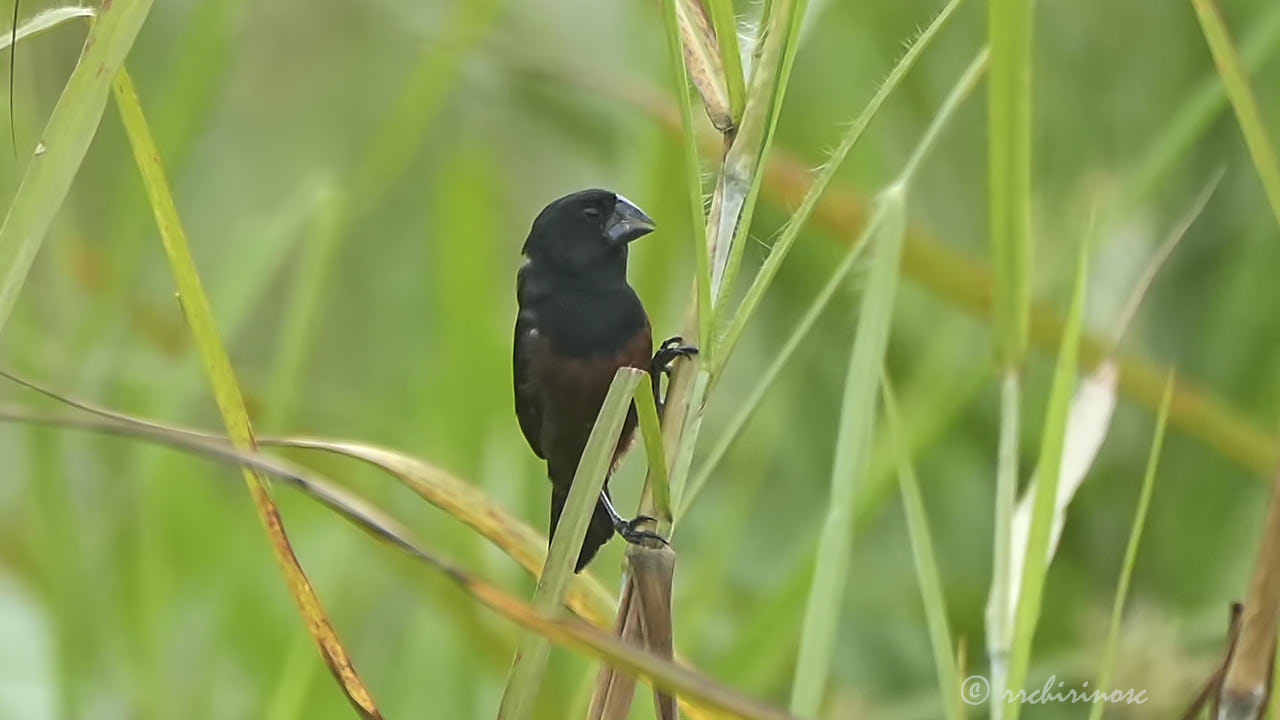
(631, 532)
(668, 351)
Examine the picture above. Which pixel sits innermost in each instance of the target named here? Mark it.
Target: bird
(578, 321)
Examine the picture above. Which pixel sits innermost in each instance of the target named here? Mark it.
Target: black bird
(578, 322)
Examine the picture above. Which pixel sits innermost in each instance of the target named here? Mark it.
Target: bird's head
(587, 232)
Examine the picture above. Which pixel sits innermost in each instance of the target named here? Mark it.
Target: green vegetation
(845, 193)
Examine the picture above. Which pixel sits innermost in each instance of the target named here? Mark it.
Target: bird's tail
(599, 530)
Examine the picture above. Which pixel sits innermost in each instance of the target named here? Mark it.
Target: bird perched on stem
(578, 323)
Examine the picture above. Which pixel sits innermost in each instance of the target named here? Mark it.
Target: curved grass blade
(587, 598)
(530, 663)
(63, 144)
(44, 20)
(773, 262)
(199, 316)
(470, 505)
(569, 632)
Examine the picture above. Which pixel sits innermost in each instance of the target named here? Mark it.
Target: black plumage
(578, 322)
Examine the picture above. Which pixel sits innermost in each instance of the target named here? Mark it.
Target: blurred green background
(356, 180)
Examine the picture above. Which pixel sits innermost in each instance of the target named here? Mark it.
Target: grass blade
(854, 441)
(64, 142)
(44, 20)
(692, 177)
(702, 58)
(965, 284)
(655, 454)
(1009, 131)
(1107, 663)
(773, 262)
(530, 662)
(569, 632)
(1242, 99)
(725, 24)
(1051, 445)
(199, 316)
(740, 177)
(935, 604)
(587, 598)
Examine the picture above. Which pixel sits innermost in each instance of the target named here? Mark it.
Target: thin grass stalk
(854, 438)
(999, 631)
(728, 338)
(926, 564)
(965, 284)
(529, 666)
(761, 386)
(801, 330)
(858, 417)
(1009, 160)
(1036, 564)
(741, 175)
(230, 402)
(693, 177)
(63, 144)
(1244, 688)
(1243, 102)
(1107, 663)
(725, 23)
(568, 632)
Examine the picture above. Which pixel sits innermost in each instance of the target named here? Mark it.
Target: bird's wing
(528, 400)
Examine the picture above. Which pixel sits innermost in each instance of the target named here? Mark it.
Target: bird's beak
(626, 223)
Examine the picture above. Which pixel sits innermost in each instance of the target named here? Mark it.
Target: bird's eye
(591, 213)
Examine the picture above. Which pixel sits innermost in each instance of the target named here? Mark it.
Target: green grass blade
(1242, 99)
(226, 391)
(1107, 663)
(63, 144)
(998, 628)
(44, 20)
(1036, 564)
(726, 26)
(655, 454)
(692, 176)
(935, 604)
(773, 262)
(853, 445)
(741, 176)
(1009, 147)
(530, 662)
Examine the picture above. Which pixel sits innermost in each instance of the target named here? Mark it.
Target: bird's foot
(631, 532)
(668, 351)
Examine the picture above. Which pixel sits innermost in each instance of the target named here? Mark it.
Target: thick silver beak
(626, 223)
